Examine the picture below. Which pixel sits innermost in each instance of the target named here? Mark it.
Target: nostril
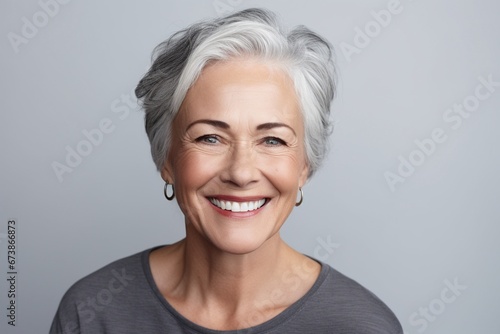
(240, 172)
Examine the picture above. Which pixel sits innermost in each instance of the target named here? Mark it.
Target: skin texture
(238, 136)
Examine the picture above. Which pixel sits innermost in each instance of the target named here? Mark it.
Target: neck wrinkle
(233, 281)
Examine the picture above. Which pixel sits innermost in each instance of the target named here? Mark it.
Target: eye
(208, 139)
(274, 141)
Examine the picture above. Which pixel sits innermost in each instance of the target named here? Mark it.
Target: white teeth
(235, 207)
(238, 206)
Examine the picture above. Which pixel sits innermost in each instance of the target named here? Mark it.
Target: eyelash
(209, 140)
(279, 140)
(205, 139)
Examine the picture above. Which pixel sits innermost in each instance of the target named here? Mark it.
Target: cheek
(192, 170)
(283, 171)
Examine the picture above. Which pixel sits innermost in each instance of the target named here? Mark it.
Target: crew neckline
(272, 323)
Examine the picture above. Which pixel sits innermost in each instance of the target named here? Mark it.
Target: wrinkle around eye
(208, 144)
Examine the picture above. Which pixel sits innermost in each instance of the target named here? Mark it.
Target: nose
(241, 169)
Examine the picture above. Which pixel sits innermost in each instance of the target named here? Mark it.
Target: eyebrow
(217, 124)
(268, 126)
(224, 125)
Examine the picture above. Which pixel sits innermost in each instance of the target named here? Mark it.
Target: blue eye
(208, 139)
(273, 141)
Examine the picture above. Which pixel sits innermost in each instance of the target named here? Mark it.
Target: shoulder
(350, 307)
(98, 293)
(113, 277)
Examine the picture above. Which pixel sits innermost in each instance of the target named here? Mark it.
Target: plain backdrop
(398, 78)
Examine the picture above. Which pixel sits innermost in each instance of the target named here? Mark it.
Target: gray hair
(178, 62)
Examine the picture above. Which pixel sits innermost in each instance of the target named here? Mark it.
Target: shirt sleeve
(66, 320)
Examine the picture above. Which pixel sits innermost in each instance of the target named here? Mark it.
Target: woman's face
(237, 156)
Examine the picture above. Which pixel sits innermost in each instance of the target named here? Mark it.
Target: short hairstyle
(177, 63)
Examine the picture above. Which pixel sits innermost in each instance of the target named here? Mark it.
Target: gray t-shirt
(122, 298)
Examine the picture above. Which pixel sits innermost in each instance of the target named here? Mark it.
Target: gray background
(441, 224)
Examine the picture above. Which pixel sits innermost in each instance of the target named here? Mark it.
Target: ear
(167, 172)
(304, 175)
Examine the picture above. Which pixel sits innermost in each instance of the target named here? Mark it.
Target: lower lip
(232, 214)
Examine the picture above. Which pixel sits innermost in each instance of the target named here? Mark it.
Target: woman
(237, 113)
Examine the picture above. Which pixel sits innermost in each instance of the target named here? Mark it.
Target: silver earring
(301, 197)
(165, 191)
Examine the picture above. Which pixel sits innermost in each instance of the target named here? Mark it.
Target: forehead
(245, 71)
(240, 87)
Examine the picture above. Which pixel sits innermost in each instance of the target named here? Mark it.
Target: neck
(231, 278)
(224, 290)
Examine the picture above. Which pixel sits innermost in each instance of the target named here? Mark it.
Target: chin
(240, 245)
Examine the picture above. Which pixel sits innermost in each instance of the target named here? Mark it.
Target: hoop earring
(301, 197)
(165, 191)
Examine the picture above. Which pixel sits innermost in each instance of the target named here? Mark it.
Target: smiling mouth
(237, 206)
